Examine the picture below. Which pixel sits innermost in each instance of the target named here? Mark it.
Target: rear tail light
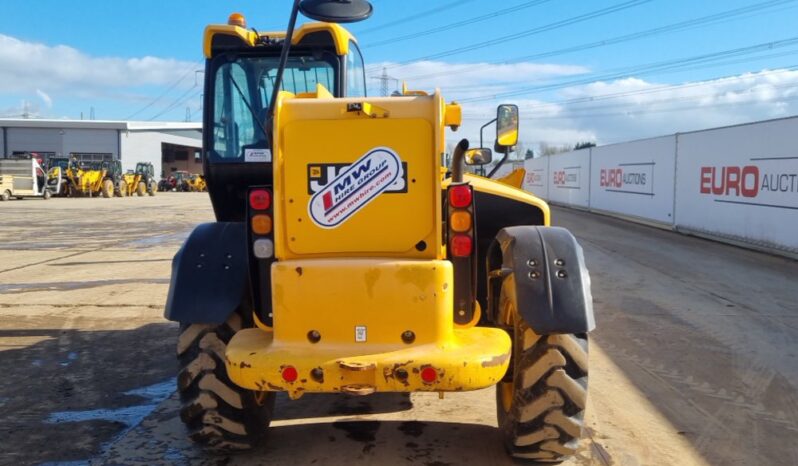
(260, 235)
(290, 373)
(462, 245)
(262, 224)
(429, 374)
(460, 221)
(461, 249)
(260, 199)
(460, 196)
(263, 248)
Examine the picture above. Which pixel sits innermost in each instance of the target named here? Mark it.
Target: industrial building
(169, 146)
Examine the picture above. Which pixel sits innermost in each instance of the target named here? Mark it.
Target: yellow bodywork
(196, 183)
(131, 184)
(515, 178)
(365, 304)
(365, 283)
(85, 182)
(339, 36)
(361, 309)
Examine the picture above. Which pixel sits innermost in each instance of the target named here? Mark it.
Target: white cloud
(631, 108)
(641, 108)
(467, 79)
(48, 101)
(26, 67)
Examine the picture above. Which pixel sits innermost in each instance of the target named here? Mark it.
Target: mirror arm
(483, 128)
(458, 161)
(501, 162)
(283, 60)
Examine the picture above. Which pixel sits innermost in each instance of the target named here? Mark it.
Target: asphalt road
(694, 360)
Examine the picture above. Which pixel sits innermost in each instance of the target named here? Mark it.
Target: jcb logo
(728, 181)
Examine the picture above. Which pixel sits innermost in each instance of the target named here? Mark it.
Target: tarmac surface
(694, 360)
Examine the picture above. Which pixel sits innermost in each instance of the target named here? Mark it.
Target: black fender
(209, 274)
(550, 284)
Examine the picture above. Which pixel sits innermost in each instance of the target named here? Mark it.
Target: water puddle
(131, 416)
(158, 240)
(18, 288)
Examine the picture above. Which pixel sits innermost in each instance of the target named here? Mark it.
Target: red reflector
(260, 199)
(429, 374)
(460, 196)
(289, 374)
(461, 245)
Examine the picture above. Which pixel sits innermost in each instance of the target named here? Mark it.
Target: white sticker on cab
(257, 155)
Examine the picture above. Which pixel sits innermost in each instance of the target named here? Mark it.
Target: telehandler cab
(344, 259)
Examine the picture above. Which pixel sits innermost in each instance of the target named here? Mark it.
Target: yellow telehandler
(344, 259)
(140, 181)
(89, 179)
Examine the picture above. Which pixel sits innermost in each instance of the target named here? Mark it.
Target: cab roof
(219, 37)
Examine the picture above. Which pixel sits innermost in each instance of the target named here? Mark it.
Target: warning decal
(355, 187)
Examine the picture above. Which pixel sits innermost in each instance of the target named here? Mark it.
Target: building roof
(99, 124)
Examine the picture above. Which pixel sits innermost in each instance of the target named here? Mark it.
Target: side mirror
(336, 11)
(507, 125)
(479, 156)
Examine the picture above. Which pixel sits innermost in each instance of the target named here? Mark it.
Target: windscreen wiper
(251, 110)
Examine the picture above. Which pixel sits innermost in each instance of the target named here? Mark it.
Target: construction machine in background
(345, 259)
(196, 184)
(140, 181)
(183, 181)
(88, 179)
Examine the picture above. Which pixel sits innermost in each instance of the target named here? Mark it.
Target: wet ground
(695, 359)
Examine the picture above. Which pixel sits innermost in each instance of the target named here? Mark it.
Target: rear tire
(152, 189)
(541, 410)
(108, 189)
(218, 414)
(5, 196)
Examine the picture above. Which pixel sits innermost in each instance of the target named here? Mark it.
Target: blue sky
(115, 38)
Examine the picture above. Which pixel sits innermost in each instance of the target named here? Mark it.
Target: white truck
(22, 178)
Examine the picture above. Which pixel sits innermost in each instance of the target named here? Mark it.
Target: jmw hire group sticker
(355, 187)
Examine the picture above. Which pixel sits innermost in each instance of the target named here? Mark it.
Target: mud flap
(550, 283)
(209, 274)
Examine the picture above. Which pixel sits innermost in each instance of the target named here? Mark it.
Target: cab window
(241, 93)
(234, 124)
(355, 72)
